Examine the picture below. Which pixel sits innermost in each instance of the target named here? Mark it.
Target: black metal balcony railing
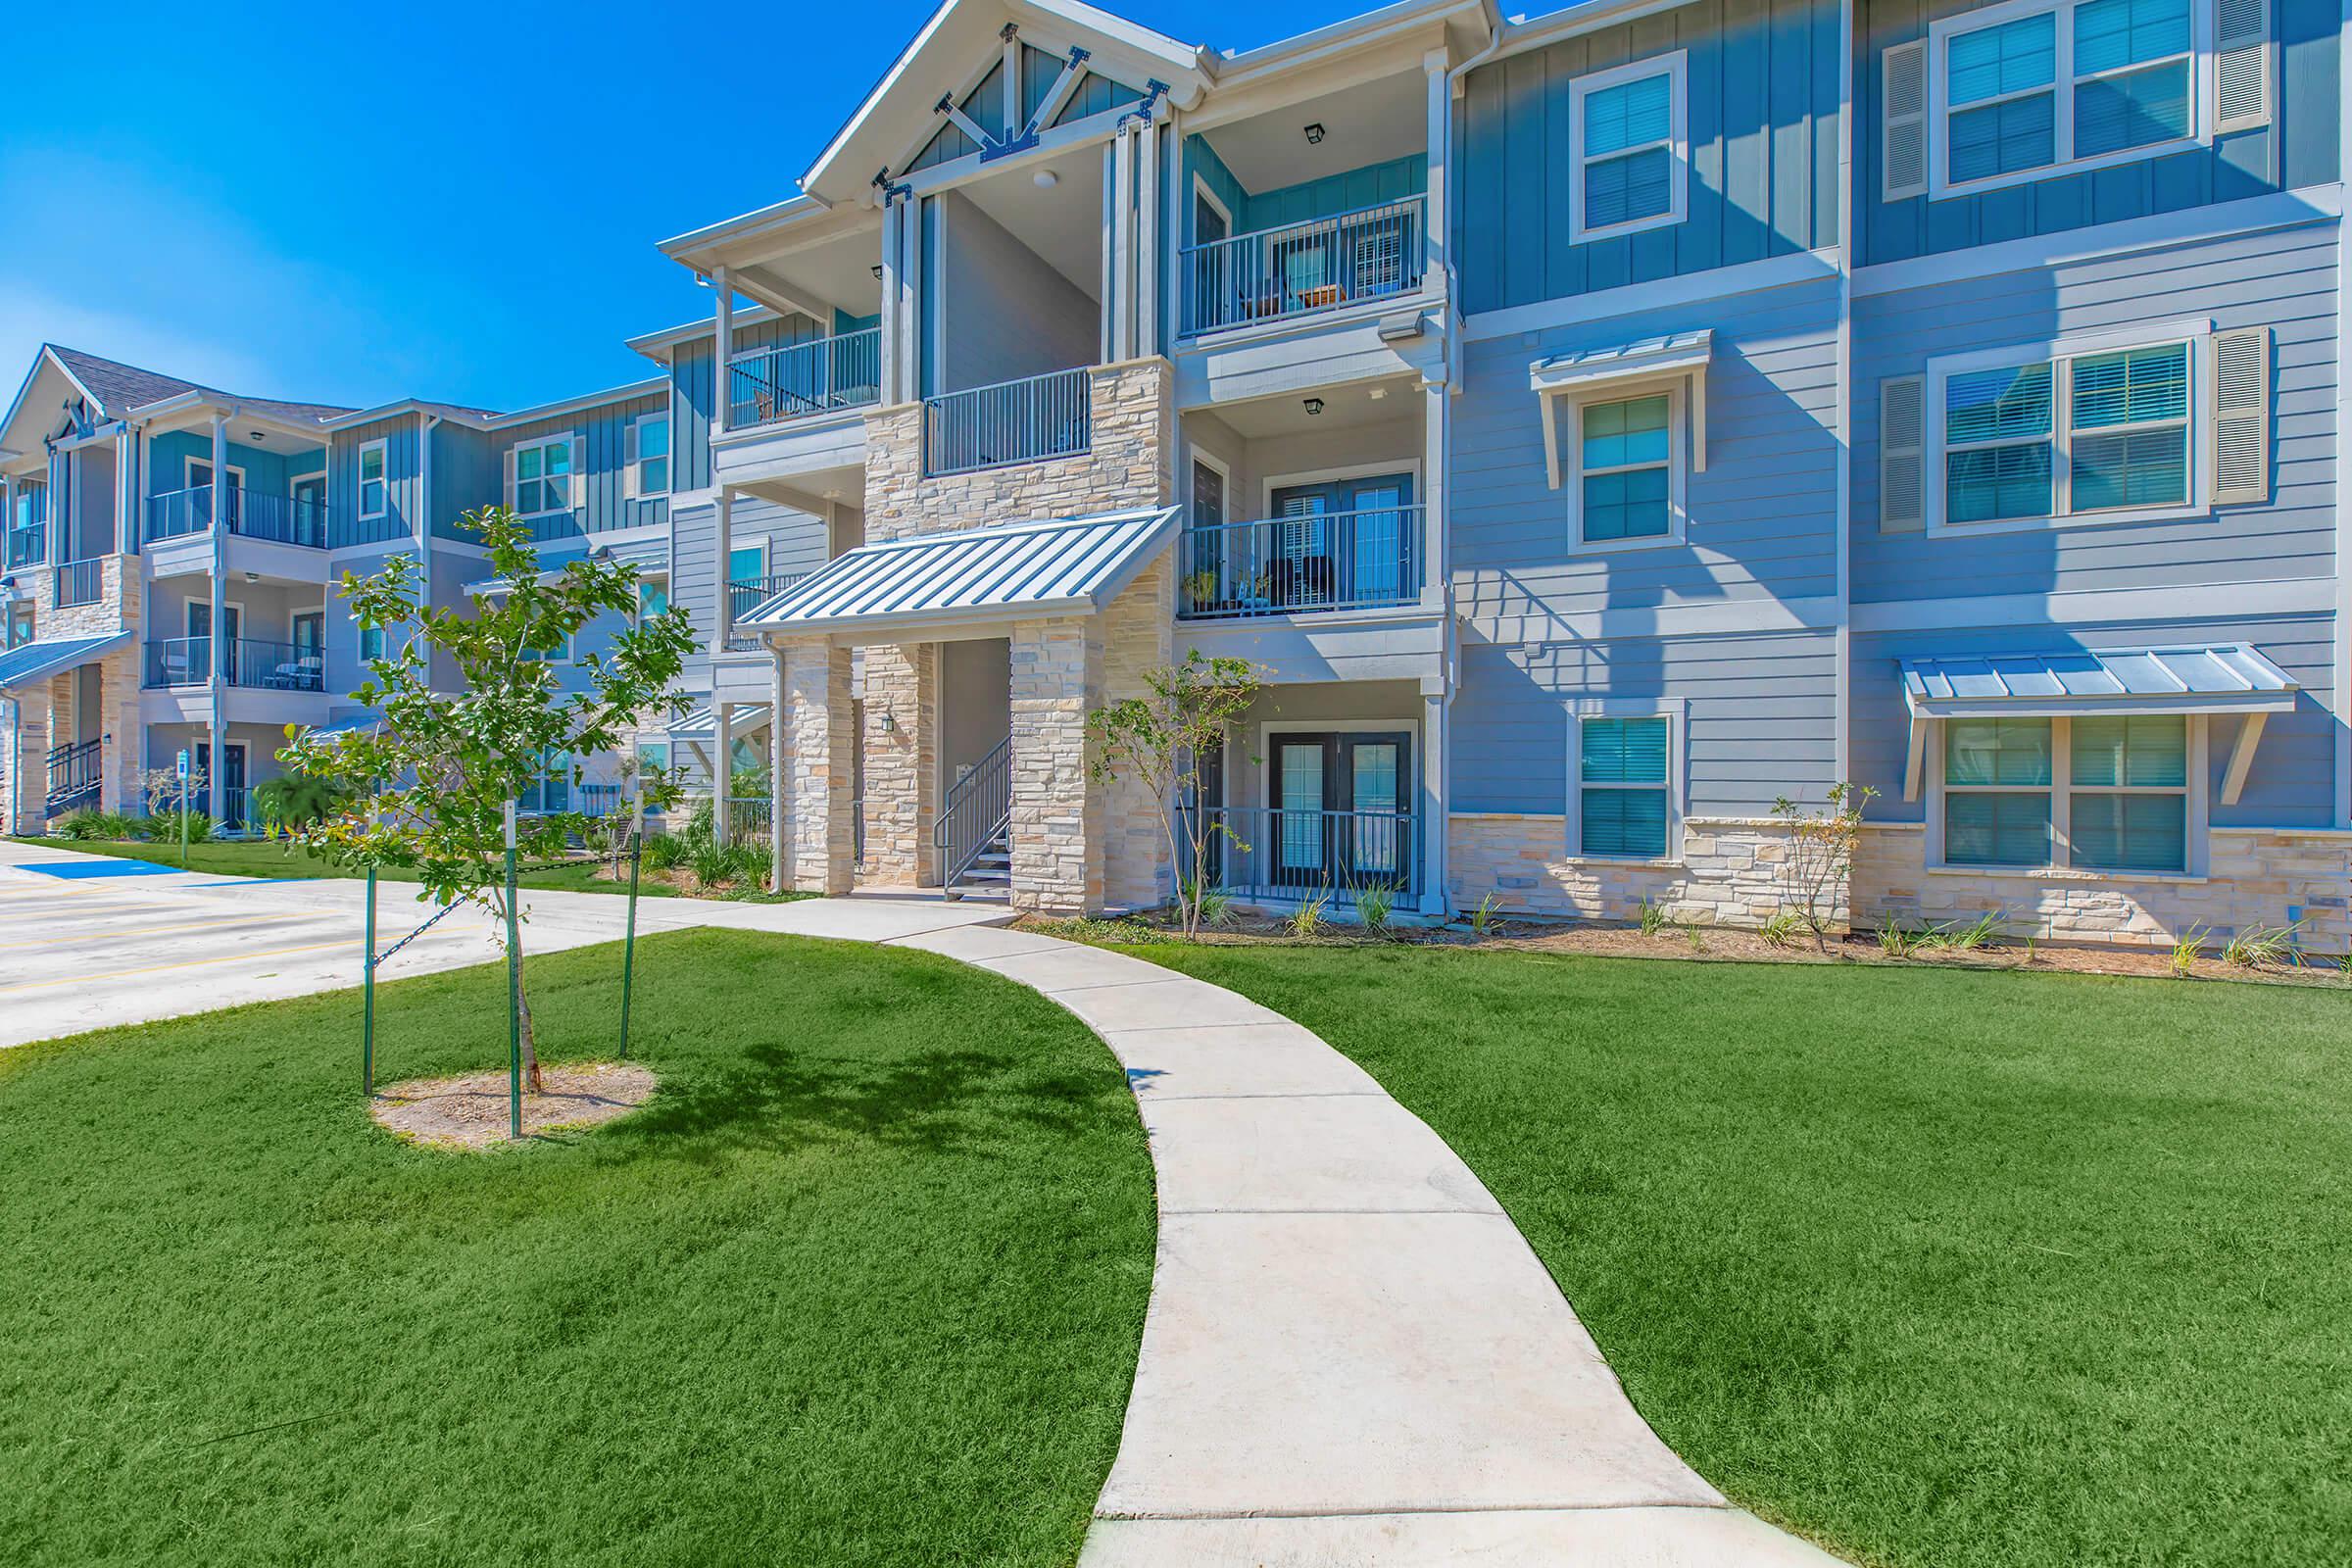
(1293, 566)
(74, 771)
(248, 663)
(1040, 417)
(80, 582)
(249, 514)
(748, 594)
(26, 546)
(1267, 853)
(1371, 254)
(772, 384)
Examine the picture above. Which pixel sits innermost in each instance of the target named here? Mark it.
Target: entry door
(310, 651)
(309, 494)
(233, 779)
(1343, 542)
(1343, 809)
(200, 619)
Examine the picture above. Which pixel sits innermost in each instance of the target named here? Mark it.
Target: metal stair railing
(73, 774)
(976, 813)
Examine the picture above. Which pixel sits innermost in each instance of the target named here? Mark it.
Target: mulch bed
(470, 1111)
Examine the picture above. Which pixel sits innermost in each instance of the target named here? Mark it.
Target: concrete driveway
(90, 941)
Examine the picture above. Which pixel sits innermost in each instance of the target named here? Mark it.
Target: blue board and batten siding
(2298, 148)
(1763, 124)
(601, 435)
(404, 480)
(694, 388)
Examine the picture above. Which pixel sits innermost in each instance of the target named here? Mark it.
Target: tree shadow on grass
(779, 1100)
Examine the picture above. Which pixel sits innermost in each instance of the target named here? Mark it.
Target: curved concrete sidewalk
(1352, 1356)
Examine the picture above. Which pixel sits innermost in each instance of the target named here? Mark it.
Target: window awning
(1068, 567)
(27, 663)
(1650, 359)
(2222, 678)
(2226, 678)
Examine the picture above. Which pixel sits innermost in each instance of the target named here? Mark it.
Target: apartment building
(168, 580)
(1598, 427)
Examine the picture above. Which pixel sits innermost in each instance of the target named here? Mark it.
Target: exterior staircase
(73, 774)
(974, 827)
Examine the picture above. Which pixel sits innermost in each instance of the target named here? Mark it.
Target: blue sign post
(184, 807)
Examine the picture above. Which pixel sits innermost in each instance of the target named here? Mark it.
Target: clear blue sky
(457, 201)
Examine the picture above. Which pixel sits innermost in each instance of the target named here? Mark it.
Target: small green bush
(87, 824)
(664, 851)
(1375, 903)
(164, 827)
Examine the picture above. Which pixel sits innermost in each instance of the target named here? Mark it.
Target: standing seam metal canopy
(31, 662)
(2224, 677)
(1068, 566)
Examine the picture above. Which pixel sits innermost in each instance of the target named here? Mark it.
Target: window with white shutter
(2241, 415)
(2241, 64)
(1903, 100)
(1902, 441)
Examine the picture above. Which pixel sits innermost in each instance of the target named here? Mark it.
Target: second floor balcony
(26, 547)
(248, 513)
(1038, 417)
(1309, 563)
(770, 385)
(746, 594)
(247, 662)
(1375, 253)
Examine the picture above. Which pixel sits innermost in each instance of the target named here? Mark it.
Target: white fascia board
(653, 386)
(656, 345)
(407, 406)
(47, 356)
(1352, 33)
(693, 248)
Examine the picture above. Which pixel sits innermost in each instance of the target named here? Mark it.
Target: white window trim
(568, 654)
(1676, 711)
(1676, 67)
(1939, 36)
(735, 549)
(1201, 192)
(2061, 789)
(668, 460)
(1224, 473)
(571, 442)
(2197, 333)
(188, 473)
(187, 616)
(384, 462)
(1678, 463)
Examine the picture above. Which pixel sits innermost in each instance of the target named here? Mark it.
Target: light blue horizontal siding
(2299, 148)
(1763, 123)
(2291, 785)
(796, 543)
(2284, 280)
(1762, 716)
(1761, 517)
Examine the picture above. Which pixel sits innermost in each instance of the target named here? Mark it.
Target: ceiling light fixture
(1313, 406)
(1314, 134)
(256, 434)
(877, 271)
(1045, 180)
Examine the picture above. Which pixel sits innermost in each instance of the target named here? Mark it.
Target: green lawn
(257, 858)
(1939, 1268)
(863, 1285)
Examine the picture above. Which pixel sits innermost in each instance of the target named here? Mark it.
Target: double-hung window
(1624, 786)
(372, 643)
(2059, 433)
(551, 792)
(2030, 88)
(1625, 469)
(374, 499)
(650, 453)
(1629, 150)
(652, 599)
(2092, 792)
(543, 477)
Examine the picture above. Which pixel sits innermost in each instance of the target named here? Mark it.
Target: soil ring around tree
(470, 1111)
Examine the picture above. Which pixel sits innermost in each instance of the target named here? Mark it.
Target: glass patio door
(1342, 809)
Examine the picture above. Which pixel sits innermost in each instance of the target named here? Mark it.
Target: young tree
(1817, 869)
(1162, 742)
(427, 788)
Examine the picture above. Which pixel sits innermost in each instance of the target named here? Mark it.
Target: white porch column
(1439, 132)
(1147, 239)
(1437, 789)
(215, 732)
(910, 298)
(723, 615)
(722, 770)
(58, 498)
(1436, 421)
(1122, 244)
(127, 491)
(777, 710)
(724, 345)
(893, 330)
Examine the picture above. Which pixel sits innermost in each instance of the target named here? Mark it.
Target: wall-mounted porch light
(1314, 134)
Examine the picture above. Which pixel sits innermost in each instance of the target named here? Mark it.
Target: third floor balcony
(1374, 253)
(825, 375)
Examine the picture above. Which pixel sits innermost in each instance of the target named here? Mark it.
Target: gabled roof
(122, 388)
(1069, 565)
(27, 663)
(898, 115)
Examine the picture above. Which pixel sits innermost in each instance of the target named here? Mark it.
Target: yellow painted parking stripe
(111, 933)
(165, 968)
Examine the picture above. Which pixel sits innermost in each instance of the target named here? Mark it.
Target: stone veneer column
(901, 764)
(121, 788)
(1137, 632)
(819, 767)
(28, 791)
(1056, 816)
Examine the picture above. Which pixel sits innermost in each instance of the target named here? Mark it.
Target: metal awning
(1067, 567)
(1649, 359)
(2221, 678)
(702, 724)
(2226, 678)
(27, 663)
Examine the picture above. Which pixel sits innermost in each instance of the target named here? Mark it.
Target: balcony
(1276, 274)
(1292, 856)
(1307, 564)
(767, 386)
(26, 547)
(747, 595)
(1028, 420)
(181, 662)
(250, 514)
